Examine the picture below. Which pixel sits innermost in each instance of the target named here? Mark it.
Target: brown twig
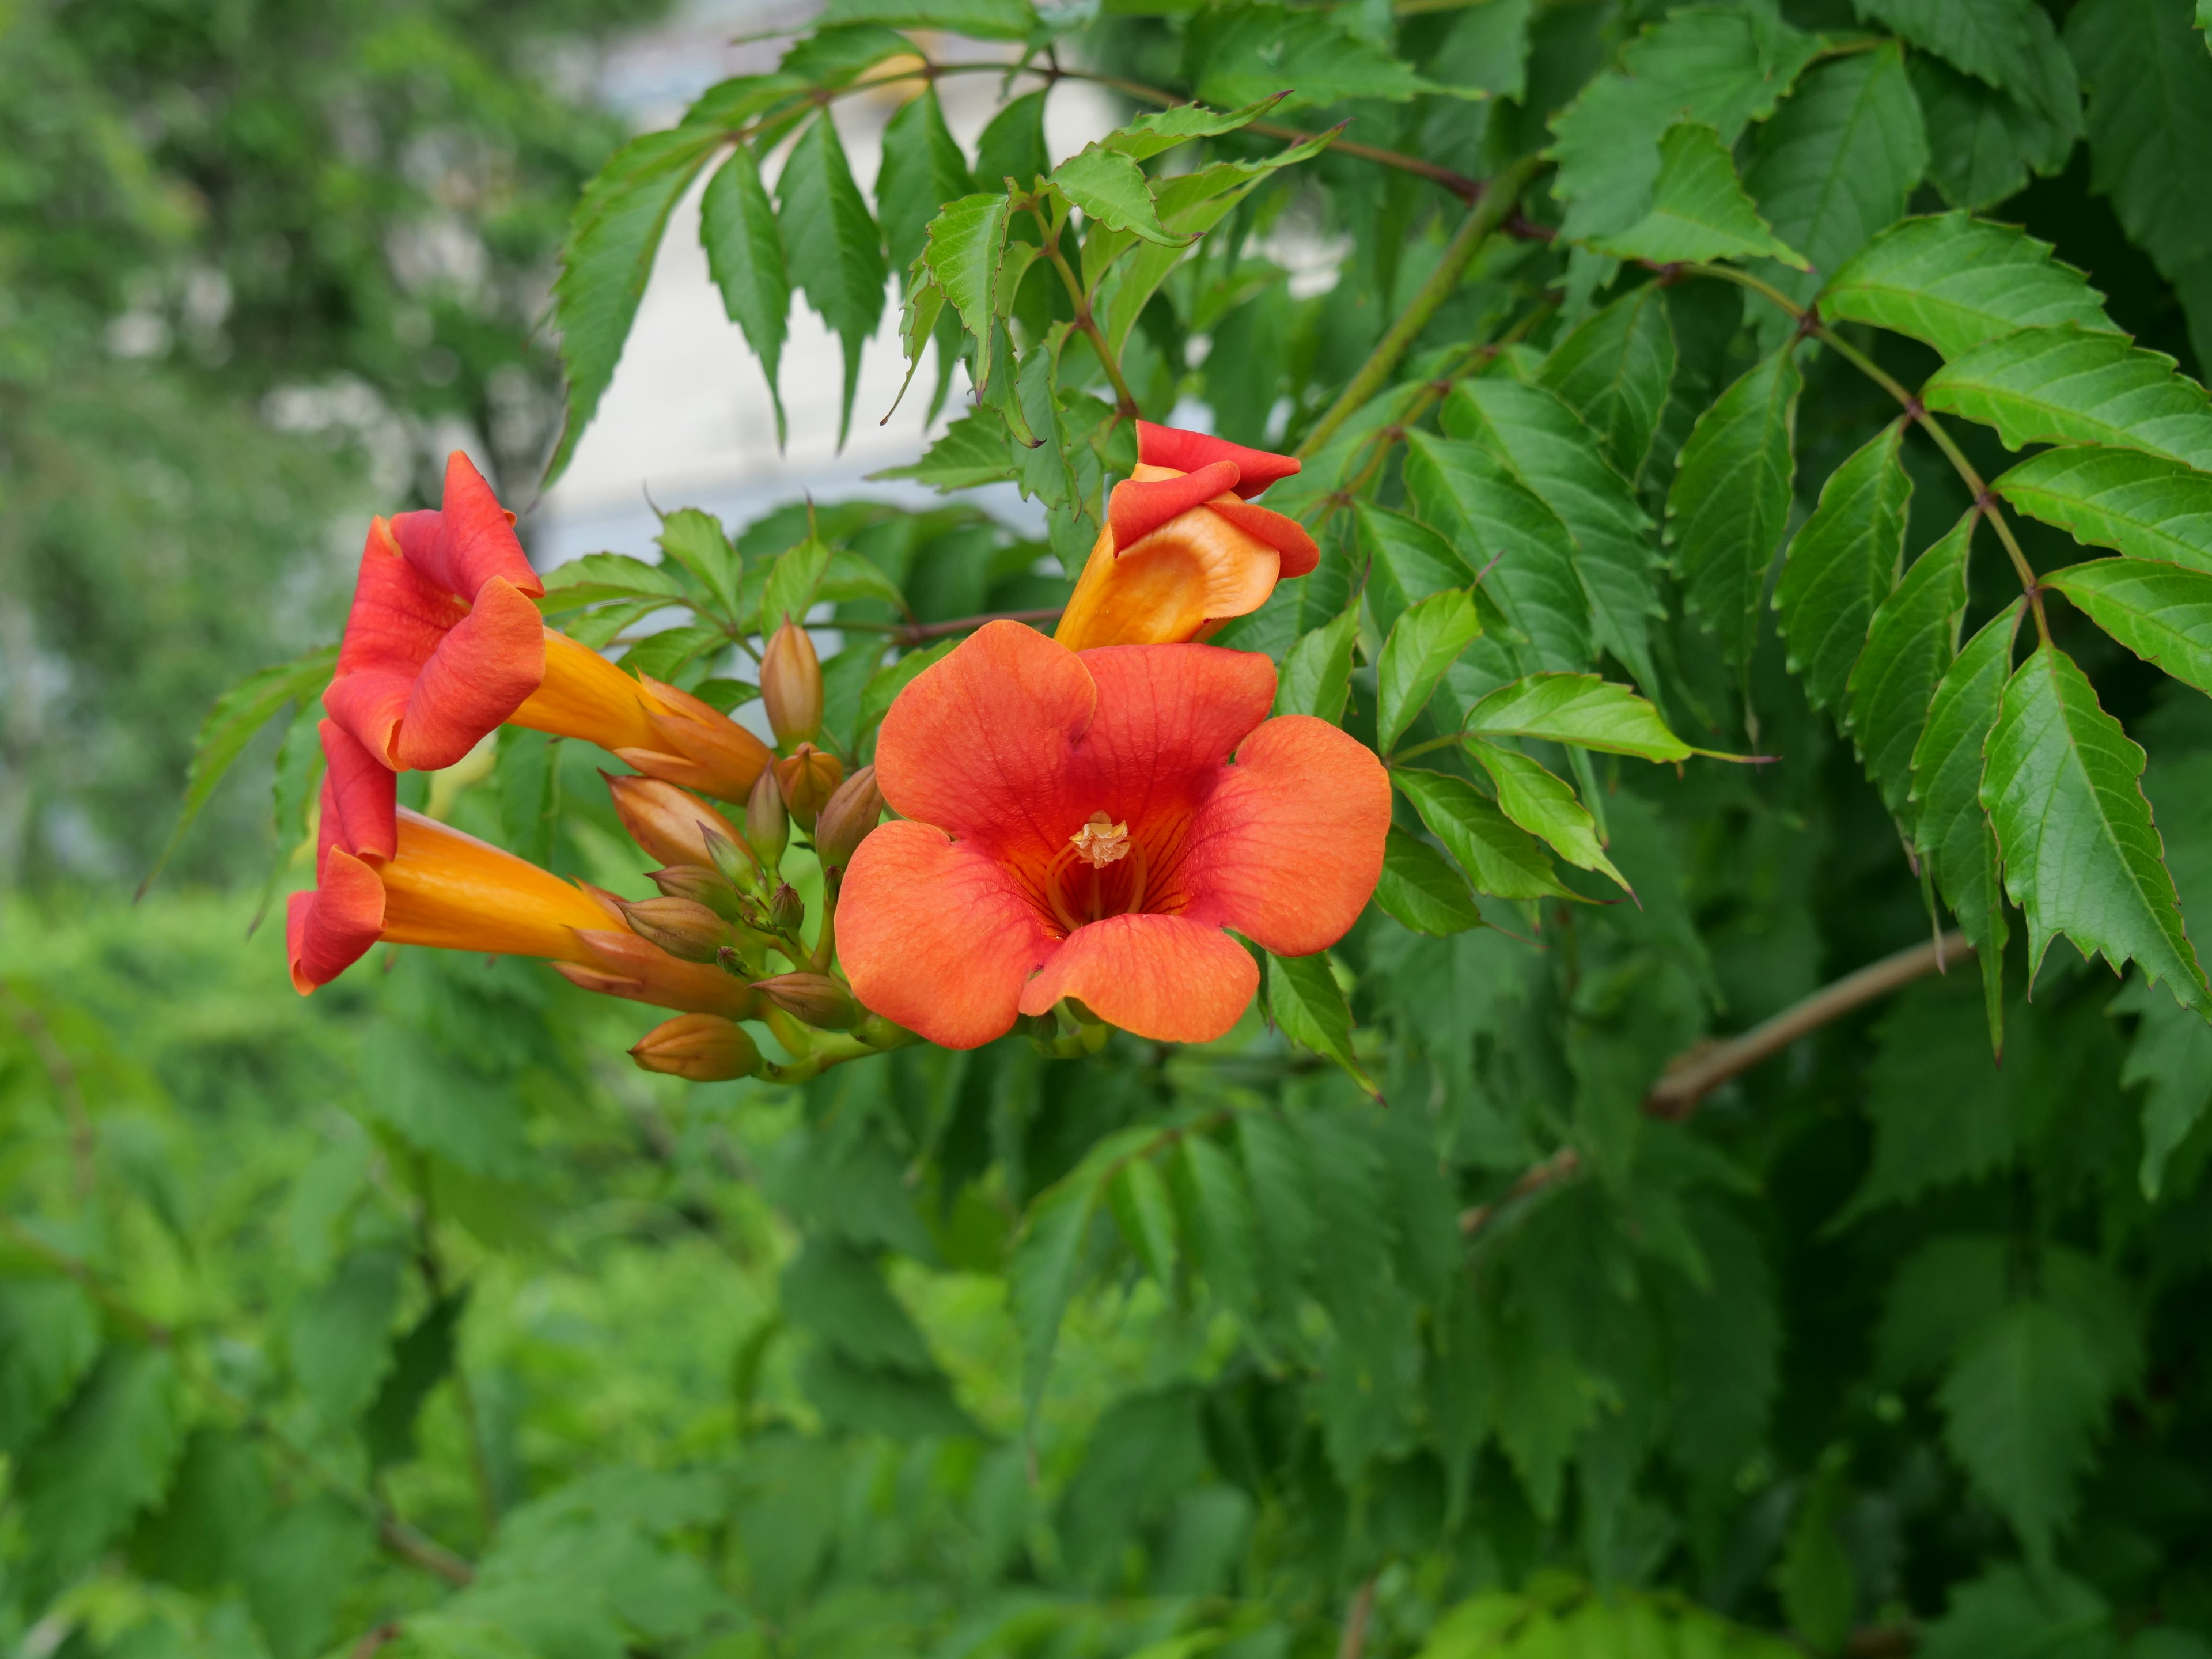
(1353, 1643)
(916, 633)
(374, 1641)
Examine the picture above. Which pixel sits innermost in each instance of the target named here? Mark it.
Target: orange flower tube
(1184, 549)
(1087, 825)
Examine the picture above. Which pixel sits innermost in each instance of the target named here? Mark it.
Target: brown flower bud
(808, 777)
(683, 928)
(768, 825)
(791, 685)
(697, 746)
(625, 965)
(702, 886)
(666, 822)
(785, 909)
(844, 822)
(703, 1047)
(733, 856)
(816, 999)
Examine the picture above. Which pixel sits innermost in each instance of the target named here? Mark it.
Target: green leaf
(1982, 144)
(1043, 1265)
(612, 237)
(1699, 209)
(1928, 1048)
(1011, 148)
(922, 168)
(2061, 782)
(835, 252)
(834, 1290)
(1842, 563)
(1545, 805)
(979, 20)
(1304, 998)
(1406, 561)
(341, 1334)
(887, 682)
(598, 576)
(1840, 160)
(49, 1337)
(2012, 1610)
(1223, 1233)
(1989, 39)
(966, 245)
(1112, 191)
(1581, 710)
(421, 1359)
(666, 654)
(1536, 435)
(2066, 385)
(1952, 829)
(1245, 54)
(2172, 1053)
(1911, 640)
(744, 256)
(836, 56)
(1164, 129)
(1143, 1211)
(1425, 640)
(972, 451)
(1957, 282)
(791, 581)
(1317, 673)
(106, 1458)
(849, 577)
(1730, 499)
(1420, 890)
(695, 541)
(238, 714)
(1496, 524)
(2021, 1406)
(1500, 859)
(1613, 370)
(2161, 612)
(2147, 507)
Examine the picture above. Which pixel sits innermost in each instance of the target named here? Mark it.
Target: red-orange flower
(390, 875)
(1184, 549)
(1087, 825)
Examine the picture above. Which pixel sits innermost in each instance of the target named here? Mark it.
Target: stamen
(1101, 841)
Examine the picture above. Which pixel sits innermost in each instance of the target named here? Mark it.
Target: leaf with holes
(2067, 385)
(1581, 710)
(1545, 805)
(1500, 859)
(1615, 370)
(1420, 890)
(1911, 640)
(1730, 498)
(1425, 640)
(2148, 506)
(1957, 282)
(1699, 209)
(744, 256)
(2161, 612)
(835, 252)
(1842, 563)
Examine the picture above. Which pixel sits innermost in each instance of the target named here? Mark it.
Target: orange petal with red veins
(1285, 535)
(1169, 716)
(481, 672)
(936, 936)
(1288, 848)
(1187, 452)
(1164, 977)
(476, 542)
(1137, 509)
(979, 743)
(327, 931)
(359, 799)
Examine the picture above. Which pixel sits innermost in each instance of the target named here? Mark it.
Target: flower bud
(808, 777)
(845, 821)
(702, 1047)
(785, 909)
(683, 928)
(732, 857)
(815, 998)
(701, 886)
(768, 826)
(666, 822)
(791, 685)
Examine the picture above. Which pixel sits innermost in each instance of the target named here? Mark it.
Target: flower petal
(475, 541)
(1168, 718)
(1289, 847)
(979, 744)
(937, 936)
(1299, 553)
(398, 621)
(359, 797)
(1164, 977)
(1139, 507)
(490, 662)
(1164, 589)
(330, 929)
(449, 890)
(1171, 446)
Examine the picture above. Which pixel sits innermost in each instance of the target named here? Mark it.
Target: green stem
(1489, 212)
(1125, 405)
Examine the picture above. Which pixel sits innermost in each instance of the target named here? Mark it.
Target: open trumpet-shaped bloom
(1086, 825)
(1184, 549)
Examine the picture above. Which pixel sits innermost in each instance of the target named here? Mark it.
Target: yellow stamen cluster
(1101, 841)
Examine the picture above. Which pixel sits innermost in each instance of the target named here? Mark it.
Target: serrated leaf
(2172, 1053)
(966, 244)
(836, 55)
(1911, 640)
(1989, 40)
(1317, 673)
(791, 581)
(696, 541)
(2161, 612)
(666, 654)
(1952, 829)
(1957, 282)
(1580, 710)
(612, 237)
(2012, 1610)
(2061, 782)
(1425, 640)
(2066, 386)
(1245, 54)
(1279, 1176)
(1112, 191)
(1496, 524)
(972, 451)
(1501, 861)
(1138, 1198)
(341, 1334)
(2148, 506)
(922, 169)
(1927, 1049)
(744, 256)
(1614, 371)
(1042, 1266)
(979, 20)
(1842, 563)
(849, 577)
(1730, 498)
(1162, 129)
(1407, 562)
(238, 714)
(1982, 144)
(1545, 805)
(834, 1290)
(421, 1359)
(1303, 997)
(598, 576)
(107, 1457)
(1699, 209)
(1223, 1234)
(834, 251)
(49, 1337)
(1420, 890)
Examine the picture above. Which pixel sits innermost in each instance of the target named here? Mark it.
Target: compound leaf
(1842, 563)
(1911, 641)
(1730, 498)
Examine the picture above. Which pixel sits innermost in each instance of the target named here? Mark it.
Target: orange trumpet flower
(1087, 825)
(385, 874)
(1184, 549)
(443, 646)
